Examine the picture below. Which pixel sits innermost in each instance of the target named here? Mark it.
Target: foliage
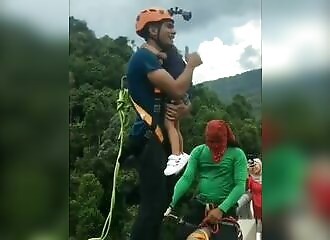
(96, 66)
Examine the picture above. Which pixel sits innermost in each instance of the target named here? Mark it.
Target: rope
(213, 227)
(230, 221)
(121, 107)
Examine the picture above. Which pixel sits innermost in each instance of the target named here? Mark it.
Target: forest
(96, 66)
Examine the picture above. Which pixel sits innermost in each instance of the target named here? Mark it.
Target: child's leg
(173, 136)
(177, 160)
(177, 126)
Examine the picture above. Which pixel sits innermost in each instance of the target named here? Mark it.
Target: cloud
(303, 46)
(221, 31)
(219, 60)
(250, 58)
(223, 60)
(117, 17)
(46, 16)
(207, 12)
(248, 34)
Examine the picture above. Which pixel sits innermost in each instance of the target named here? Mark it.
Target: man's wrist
(221, 210)
(189, 67)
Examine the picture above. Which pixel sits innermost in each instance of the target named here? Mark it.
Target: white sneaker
(175, 164)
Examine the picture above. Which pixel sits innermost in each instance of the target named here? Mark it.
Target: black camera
(187, 15)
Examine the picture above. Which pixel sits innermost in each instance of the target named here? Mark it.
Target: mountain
(247, 84)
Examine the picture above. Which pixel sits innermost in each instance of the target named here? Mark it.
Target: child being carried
(174, 64)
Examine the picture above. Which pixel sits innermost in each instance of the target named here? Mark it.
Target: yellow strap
(148, 119)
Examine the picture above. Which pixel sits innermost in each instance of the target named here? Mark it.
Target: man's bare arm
(176, 88)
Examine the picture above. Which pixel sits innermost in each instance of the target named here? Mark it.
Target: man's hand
(194, 60)
(178, 111)
(214, 216)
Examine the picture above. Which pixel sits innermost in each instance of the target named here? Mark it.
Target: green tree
(96, 66)
(89, 218)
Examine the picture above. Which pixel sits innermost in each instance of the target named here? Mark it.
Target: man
(145, 75)
(220, 168)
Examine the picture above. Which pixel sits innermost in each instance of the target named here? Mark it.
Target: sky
(226, 33)
(229, 34)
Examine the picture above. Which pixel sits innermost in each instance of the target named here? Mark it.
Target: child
(174, 64)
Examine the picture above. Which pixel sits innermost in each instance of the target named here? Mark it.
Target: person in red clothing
(318, 189)
(255, 188)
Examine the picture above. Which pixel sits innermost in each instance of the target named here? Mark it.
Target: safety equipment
(122, 103)
(158, 14)
(149, 16)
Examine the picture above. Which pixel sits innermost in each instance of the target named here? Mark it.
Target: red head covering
(217, 136)
(270, 133)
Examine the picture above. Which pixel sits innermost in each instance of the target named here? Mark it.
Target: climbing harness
(147, 118)
(206, 230)
(231, 221)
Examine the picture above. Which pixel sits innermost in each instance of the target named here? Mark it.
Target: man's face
(167, 33)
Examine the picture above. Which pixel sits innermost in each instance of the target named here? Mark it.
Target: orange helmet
(150, 15)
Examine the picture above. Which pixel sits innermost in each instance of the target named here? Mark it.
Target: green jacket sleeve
(184, 183)
(281, 192)
(240, 176)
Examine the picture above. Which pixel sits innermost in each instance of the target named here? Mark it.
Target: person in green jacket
(220, 167)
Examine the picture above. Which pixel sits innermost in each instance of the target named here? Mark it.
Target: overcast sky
(225, 32)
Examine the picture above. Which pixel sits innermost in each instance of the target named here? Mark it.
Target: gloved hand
(168, 211)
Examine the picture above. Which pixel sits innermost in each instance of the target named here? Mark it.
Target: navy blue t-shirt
(174, 63)
(139, 86)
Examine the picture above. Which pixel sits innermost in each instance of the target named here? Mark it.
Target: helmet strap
(159, 43)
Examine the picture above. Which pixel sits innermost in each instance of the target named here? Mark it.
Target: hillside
(247, 84)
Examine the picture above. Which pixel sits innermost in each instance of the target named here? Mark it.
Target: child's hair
(174, 63)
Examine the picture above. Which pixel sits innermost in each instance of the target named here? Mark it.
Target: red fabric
(270, 133)
(256, 190)
(217, 136)
(319, 190)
